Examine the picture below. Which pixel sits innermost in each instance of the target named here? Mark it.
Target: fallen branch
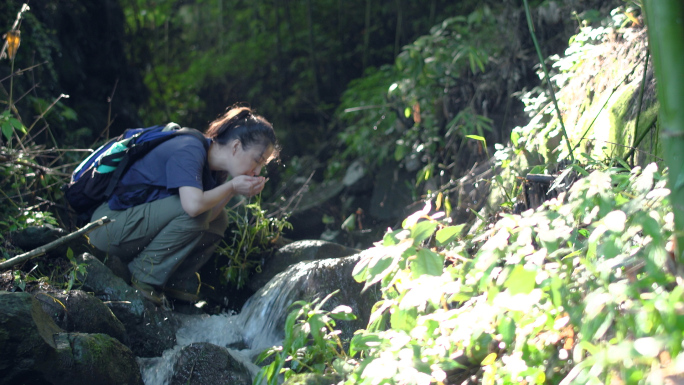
(43, 249)
(43, 169)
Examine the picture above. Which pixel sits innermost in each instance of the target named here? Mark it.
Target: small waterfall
(264, 313)
(259, 325)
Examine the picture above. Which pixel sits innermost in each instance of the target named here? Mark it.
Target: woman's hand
(248, 185)
(196, 201)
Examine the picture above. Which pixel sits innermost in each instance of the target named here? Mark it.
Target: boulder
(151, 330)
(32, 237)
(391, 194)
(77, 311)
(307, 250)
(208, 364)
(263, 316)
(357, 179)
(94, 359)
(307, 218)
(26, 338)
(36, 351)
(35, 236)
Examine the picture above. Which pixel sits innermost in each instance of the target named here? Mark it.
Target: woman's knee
(220, 223)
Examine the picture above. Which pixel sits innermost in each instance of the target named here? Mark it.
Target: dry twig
(43, 249)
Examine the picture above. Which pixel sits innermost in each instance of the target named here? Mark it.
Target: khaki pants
(159, 240)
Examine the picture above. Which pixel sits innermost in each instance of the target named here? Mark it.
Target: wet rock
(296, 252)
(26, 338)
(117, 266)
(151, 330)
(356, 179)
(36, 236)
(207, 364)
(265, 312)
(36, 351)
(77, 311)
(94, 359)
(391, 194)
(307, 219)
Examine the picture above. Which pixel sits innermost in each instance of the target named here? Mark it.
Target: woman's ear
(234, 146)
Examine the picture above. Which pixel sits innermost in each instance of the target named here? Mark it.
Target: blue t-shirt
(177, 162)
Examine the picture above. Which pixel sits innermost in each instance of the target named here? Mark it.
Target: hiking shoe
(186, 290)
(181, 295)
(148, 291)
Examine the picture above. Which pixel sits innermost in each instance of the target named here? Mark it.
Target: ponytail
(243, 124)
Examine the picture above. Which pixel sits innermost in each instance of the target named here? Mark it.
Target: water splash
(258, 326)
(264, 313)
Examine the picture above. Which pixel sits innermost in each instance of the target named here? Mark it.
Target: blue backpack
(95, 179)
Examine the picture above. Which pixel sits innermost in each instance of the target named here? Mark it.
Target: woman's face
(235, 160)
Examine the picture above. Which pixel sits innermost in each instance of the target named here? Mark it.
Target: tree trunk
(433, 12)
(366, 34)
(665, 20)
(398, 33)
(312, 55)
(282, 73)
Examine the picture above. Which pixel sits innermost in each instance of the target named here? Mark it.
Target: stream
(245, 335)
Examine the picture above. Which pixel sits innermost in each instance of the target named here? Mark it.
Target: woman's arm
(195, 201)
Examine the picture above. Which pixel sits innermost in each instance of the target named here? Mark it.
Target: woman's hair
(244, 125)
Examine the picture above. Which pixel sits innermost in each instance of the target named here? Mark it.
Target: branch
(45, 170)
(43, 249)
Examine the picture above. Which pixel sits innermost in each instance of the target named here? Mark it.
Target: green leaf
(407, 112)
(422, 231)
(556, 286)
(343, 313)
(404, 319)
(507, 330)
(537, 169)
(361, 342)
(579, 170)
(360, 272)
(515, 137)
(447, 206)
(390, 238)
(400, 152)
(349, 224)
(427, 262)
(650, 346)
(379, 268)
(69, 114)
(289, 327)
(489, 360)
(448, 234)
(651, 227)
(17, 125)
(316, 325)
(476, 137)
(521, 280)
(7, 130)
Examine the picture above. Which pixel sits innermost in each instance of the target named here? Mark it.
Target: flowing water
(257, 327)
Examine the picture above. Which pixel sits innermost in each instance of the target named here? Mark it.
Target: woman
(169, 206)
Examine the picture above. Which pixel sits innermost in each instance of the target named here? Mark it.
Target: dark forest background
(395, 85)
(132, 63)
(129, 63)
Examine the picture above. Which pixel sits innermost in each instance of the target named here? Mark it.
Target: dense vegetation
(585, 288)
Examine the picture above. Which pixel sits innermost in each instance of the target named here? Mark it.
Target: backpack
(95, 179)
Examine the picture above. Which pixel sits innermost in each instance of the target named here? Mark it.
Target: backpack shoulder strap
(193, 132)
